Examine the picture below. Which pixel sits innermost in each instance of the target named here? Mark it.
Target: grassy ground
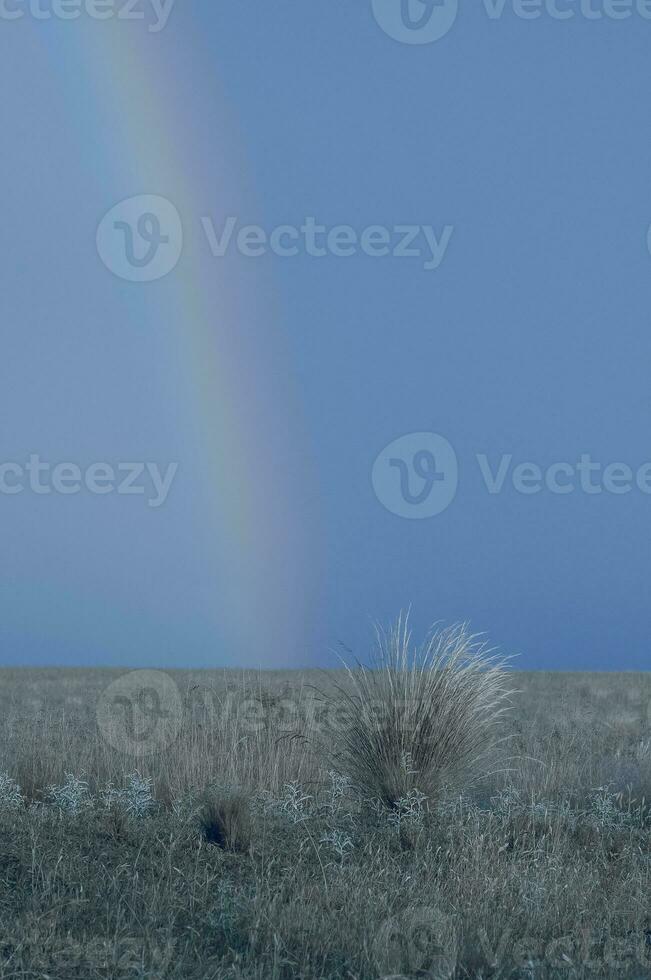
(236, 853)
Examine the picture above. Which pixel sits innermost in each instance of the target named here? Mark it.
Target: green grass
(543, 871)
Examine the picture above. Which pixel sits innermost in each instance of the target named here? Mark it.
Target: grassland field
(186, 825)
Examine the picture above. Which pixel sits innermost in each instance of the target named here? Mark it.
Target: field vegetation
(445, 817)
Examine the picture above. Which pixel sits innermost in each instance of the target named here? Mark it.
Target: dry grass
(423, 718)
(226, 822)
(543, 871)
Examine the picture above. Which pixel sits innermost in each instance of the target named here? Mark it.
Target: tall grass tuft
(226, 822)
(424, 718)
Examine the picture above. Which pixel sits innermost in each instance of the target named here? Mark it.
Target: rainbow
(248, 510)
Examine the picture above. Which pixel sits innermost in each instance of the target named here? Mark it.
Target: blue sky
(275, 382)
